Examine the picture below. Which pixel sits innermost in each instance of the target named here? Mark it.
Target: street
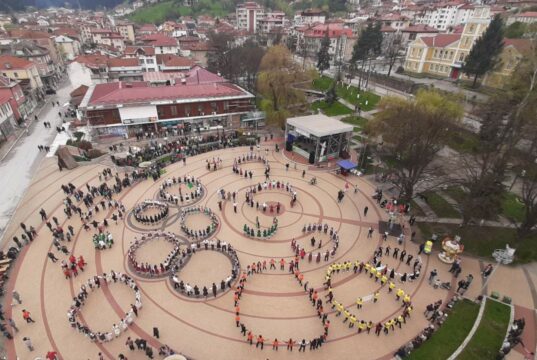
(18, 167)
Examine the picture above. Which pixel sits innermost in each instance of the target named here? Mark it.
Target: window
(15, 74)
(214, 108)
(187, 110)
(174, 110)
(226, 105)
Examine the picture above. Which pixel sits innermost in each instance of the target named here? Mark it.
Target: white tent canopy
(318, 125)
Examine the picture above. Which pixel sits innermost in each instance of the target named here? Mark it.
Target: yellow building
(443, 54)
(20, 70)
(513, 52)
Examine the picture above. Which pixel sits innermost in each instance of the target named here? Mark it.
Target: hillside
(16, 5)
(172, 9)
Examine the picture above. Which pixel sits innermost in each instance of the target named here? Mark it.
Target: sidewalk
(6, 147)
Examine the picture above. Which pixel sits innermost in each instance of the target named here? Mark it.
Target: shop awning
(346, 164)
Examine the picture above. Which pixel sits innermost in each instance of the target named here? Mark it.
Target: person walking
(28, 343)
(27, 316)
(11, 323)
(432, 276)
(156, 332)
(366, 209)
(17, 296)
(130, 344)
(43, 214)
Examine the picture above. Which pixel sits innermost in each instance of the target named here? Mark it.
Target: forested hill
(15, 5)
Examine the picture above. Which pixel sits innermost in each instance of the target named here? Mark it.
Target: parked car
(50, 91)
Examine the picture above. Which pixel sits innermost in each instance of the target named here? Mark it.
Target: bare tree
(392, 52)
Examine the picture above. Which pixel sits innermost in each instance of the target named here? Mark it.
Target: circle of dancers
(140, 209)
(93, 284)
(153, 270)
(199, 234)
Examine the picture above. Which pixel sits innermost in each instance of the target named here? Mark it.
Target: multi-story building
(163, 44)
(22, 106)
(444, 54)
(395, 21)
(126, 30)
(7, 120)
(341, 40)
(42, 39)
(68, 48)
(447, 15)
(248, 16)
(271, 21)
(36, 54)
(21, 70)
(199, 100)
(514, 51)
(527, 17)
(310, 17)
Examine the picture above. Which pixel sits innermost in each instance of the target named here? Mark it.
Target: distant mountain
(15, 5)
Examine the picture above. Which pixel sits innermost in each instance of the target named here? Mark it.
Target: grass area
(512, 207)
(171, 10)
(349, 93)
(358, 121)
(335, 109)
(456, 193)
(463, 141)
(452, 333)
(483, 240)
(415, 209)
(158, 13)
(489, 336)
(440, 206)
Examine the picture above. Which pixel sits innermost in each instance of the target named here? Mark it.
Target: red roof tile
(159, 40)
(8, 62)
(440, 40)
(522, 45)
(420, 28)
(141, 92)
(121, 62)
(145, 50)
(174, 60)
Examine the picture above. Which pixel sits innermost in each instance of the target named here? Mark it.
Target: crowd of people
(153, 270)
(199, 290)
(257, 232)
(103, 241)
(93, 284)
(162, 210)
(319, 228)
(269, 185)
(314, 298)
(198, 234)
(188, 197)
(354, 321)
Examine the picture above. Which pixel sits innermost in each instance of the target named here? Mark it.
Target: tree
(368, 46)
(275, 82)
(394, 45)
(323, 56)
(291, 42)
(219, 60)
(507, 118)
(414, 131)
(484, 54)
(331, 94)
(516, 30)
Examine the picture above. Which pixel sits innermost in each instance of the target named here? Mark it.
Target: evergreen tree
(331, 95)
(323, 56)
(484, 54)
(369, 43)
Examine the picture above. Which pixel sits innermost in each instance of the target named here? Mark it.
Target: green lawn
(463, 141)
(335, 109)
(489, 336)
(440, 206)
(415, 209)
(512, 207)
(350, 94)
(450, 335)
(456, 193)
(171, 10)
(358, 121)
(483, 240)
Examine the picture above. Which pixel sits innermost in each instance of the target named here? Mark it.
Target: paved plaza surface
(273, 303)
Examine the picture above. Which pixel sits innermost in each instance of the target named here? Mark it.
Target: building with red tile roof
(197, 98)
(22, 105)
